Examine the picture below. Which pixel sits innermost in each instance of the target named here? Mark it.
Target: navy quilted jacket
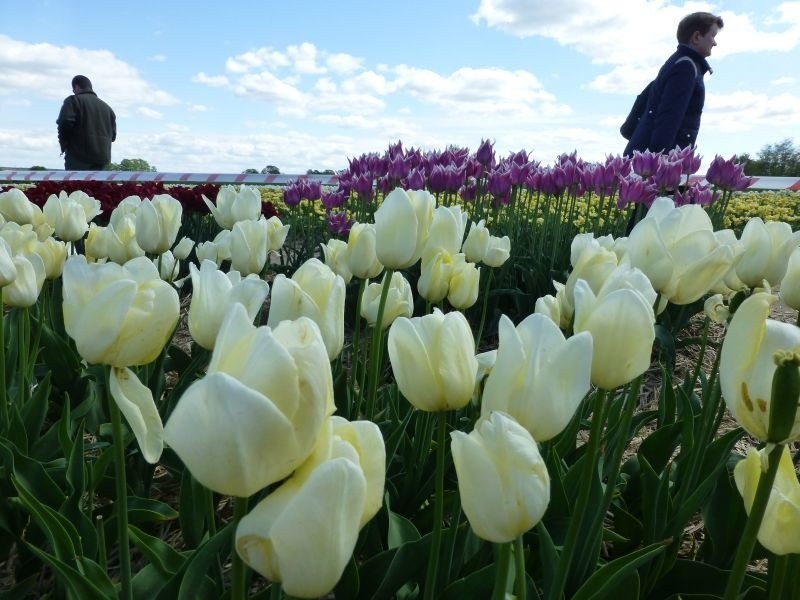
(674, 106)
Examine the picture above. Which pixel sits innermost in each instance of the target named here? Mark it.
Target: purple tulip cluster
(728, 175)
(302, 189)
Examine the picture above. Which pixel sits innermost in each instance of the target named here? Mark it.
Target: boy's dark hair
(82, 82)
(698, 21)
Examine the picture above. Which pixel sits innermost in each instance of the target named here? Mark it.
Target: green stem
(4, 422)
(590, 466)
(438, 508)
(519, 568)
(22, 354)
(377, 341)
(354, 359)
(750, 533)
(501, 574)
(238, 591)
(483, 308)
(126, 592)
(778, 569)
(275, 591)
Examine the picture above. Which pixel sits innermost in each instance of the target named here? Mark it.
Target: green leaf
(478, 584)
(22, 589)
(610, 575)
(34, 411)
(192, 515)
(149, 510)
(160, 554)
(77, 583)
(695, 577)
(60, 532)
(195, 583)
(384, 574)
(659, 446)
(348, 584)
(401, 530)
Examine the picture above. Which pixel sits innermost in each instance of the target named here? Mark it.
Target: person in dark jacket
(86, 128)
(676, 98)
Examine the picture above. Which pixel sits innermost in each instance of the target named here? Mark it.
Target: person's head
(699, 31)
(81, 83)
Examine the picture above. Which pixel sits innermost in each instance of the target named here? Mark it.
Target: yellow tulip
(256, 416)
(781, 523)
(502, 478)
(433, 360)
(539, 377)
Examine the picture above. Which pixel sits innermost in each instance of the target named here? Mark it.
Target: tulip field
(453, 376)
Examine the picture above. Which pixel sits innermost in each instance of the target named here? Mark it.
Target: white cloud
(304, 58)
(787, 80)
(46, 70)
(149, 113)
(159, 58)
(266, 58)
(198, 108)
(745, 111)
(210, 80)
(343, 63)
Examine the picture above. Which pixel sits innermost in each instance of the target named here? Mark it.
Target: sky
(307, 84)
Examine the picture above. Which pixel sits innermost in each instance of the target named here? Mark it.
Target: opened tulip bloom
(399, 301)
(767, 247)
(316, 292)
(235, 204)
(780, 525)
(747, 366)
(122, 316)
(256, 415)
(213, 292)
(303, 534)
(402, 223)
(502, 478)
(433, 360)
(539, 377)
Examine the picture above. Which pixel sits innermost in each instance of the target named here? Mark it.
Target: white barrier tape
(16, 176)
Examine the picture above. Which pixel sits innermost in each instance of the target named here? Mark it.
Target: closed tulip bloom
(232, 205)
(15, 207)
(249, 246)
(747, 364)
(502, 479)
(157, 223)
(678, 251)
(591, 262)
(24, 291)
(126, 206)
(20, 238)
(497, 252)
(212, 294)
(477, 243)
(96, 245)
(539, 377)
(622, 323)
(277, 233)
(781, 522)
(435, 272)
(121, 242)
(183, 248)
(118, 315)
(335, 254)
(433, 360)
(316, 292)
(767, 247)
(402, 222)
(66, 216)
(464, 283)
(399, 301)
(168, 266)
(8, 272)
(446, 231)
(303, 534)
(361, 257)
(790, 284)
(256, 416)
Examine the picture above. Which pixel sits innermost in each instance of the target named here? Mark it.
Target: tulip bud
(335, 253)
(435, 273)
(399, 301)
(249, 245)
(361, 257)
(24, 290)
(157, 223)
(464, 283)
(277, 233)
(498, 251)
(183, 248)
(402, 222)
(477, 242)
(785, 396)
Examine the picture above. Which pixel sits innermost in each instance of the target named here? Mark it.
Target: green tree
(131, 164)
(781, 159)
(250, 172)
(37, 168)
(271, 170)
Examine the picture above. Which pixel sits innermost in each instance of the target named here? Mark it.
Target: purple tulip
(696, 193)
(292, 195)
(333, 199)
(689, 162)
(310, 189)
(668, 174)
(437, 179)
(454, 177)
(415, 180)
(468, 191)
(636, 190)
(728, 175)
(338, 223)
(398, 167)
(498, 183)
(645, 163)
(485, 153)
(385, 184)
(363, 187)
